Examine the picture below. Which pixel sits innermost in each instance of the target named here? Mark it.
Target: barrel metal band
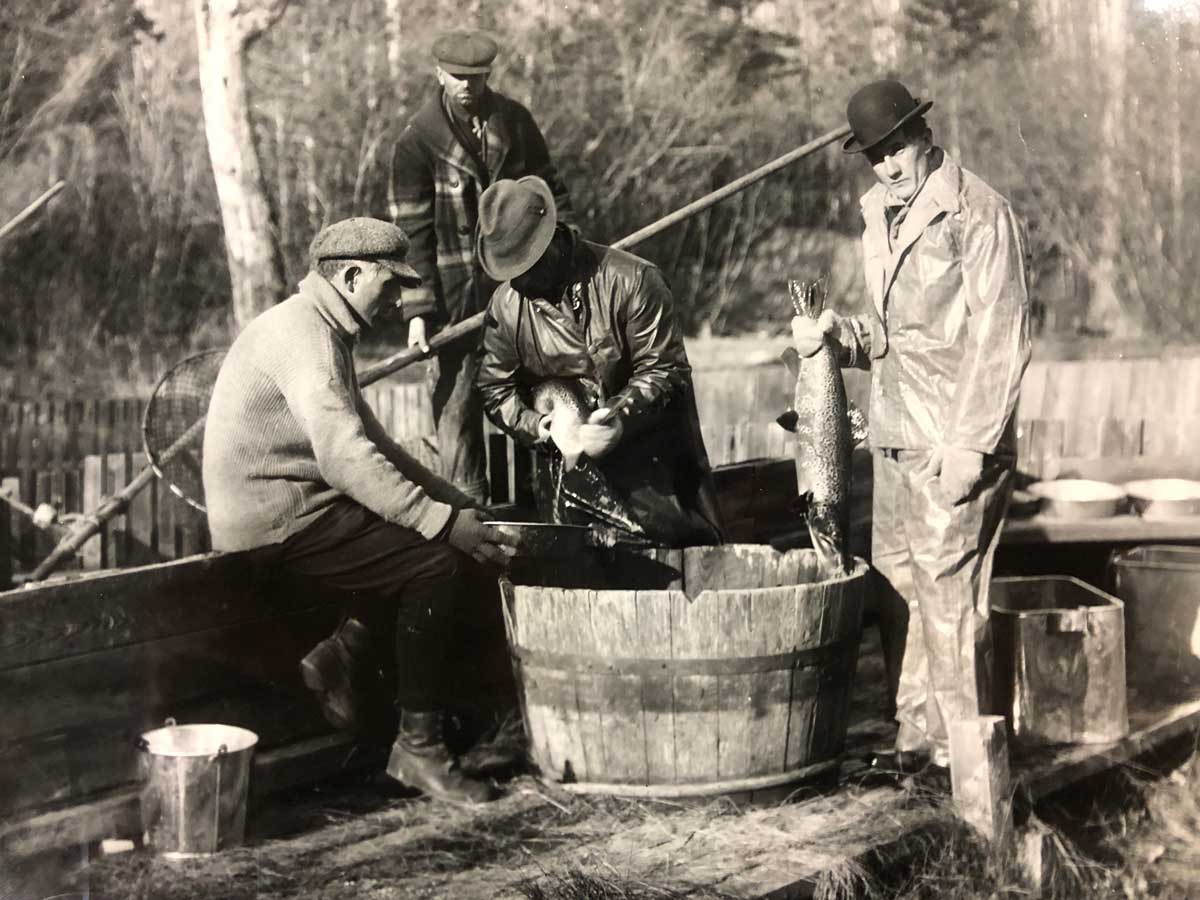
(744, 665)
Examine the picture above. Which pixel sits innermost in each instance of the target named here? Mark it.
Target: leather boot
(335, 670)
(421, 760)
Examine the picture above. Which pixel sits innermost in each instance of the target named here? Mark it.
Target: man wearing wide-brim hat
(299, 473)
(946, 340)
(602, 321)
(465, 137)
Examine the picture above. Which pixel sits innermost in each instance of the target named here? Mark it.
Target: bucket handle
(142, 744)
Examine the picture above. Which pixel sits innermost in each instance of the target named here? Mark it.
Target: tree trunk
(393, 27)
(224, 30)
(1176, 76)
(1105, 311)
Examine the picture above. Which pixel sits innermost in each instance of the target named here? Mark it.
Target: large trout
(820, 420)
(581, 493)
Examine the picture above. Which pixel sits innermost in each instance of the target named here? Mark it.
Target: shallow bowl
(1165, 498)
(1078, 498)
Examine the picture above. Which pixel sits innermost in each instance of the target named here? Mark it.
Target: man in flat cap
(464, 138)
(946, 340)
(601, 322)
(298, 471)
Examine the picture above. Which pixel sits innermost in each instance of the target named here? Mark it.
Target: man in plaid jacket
(463, 139)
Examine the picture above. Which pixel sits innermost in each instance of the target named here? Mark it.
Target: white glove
(957, 471)
(416, 334)
(809, 334)
(598, 440)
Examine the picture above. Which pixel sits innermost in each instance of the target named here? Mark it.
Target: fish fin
(803, 485)
(787, 421)
(827, 540)
(858, 424)
(791, 359)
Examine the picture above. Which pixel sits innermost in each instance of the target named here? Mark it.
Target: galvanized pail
(195, 780)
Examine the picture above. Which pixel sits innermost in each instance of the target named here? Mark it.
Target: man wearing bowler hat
(299, 472)
(465, 137)
(946, 340)
(602, 320)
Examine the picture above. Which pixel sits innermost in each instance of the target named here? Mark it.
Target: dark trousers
(458, 418)
(385, 573)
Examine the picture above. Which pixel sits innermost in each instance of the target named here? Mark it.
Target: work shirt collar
(332, 306)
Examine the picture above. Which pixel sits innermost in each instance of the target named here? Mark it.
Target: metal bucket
(195, 780)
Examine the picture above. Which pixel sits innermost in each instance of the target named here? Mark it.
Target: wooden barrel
(731, 674)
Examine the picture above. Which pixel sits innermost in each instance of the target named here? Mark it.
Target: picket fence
(73, 453)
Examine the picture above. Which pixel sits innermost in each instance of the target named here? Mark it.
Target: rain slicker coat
(947, 342)
(948, 338)
(625, 349)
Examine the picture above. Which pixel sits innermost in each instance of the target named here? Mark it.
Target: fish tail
(828, 539)
(807, 300)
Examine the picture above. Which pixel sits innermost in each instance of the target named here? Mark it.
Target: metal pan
(544, 540)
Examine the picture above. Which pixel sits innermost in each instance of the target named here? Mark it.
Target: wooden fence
(71, 454)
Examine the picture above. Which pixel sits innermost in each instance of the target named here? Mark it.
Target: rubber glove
(956, 470)
(808, 334)
(598, 440)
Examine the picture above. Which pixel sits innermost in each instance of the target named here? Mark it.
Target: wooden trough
(728, 670)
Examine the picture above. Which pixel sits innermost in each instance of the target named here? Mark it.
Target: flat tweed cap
(465, 52)
(373, 240)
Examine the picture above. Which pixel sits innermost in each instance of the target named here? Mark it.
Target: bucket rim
(242, 739)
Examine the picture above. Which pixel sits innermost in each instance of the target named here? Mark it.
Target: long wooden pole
(91, 525)
(33, 207)
(407, 357)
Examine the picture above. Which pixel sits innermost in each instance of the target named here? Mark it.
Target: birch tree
(225, 29)
(1105, 313)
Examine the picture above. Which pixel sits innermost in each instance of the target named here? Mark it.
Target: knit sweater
(288, 432)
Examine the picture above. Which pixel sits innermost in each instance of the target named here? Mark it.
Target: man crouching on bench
(298, 471)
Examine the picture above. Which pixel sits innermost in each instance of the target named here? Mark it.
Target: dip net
(173, 427)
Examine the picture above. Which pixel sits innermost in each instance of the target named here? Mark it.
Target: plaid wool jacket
(434, 192)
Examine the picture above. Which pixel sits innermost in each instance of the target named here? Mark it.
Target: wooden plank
(6, 555)
(1033, 387)
(695, 634)
(116, 468)
(653, 610)
(137, 684)
(736, 638)
(1045, 772)
(92, 553)
(90, 613)
(980, 774)
(143, 518)
(613, 621)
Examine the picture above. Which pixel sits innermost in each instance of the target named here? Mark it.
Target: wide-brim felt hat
(516, 224)
(877, 111)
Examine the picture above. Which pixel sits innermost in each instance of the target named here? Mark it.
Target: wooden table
(1124, 529)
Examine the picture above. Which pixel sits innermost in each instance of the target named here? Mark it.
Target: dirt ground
(1131, 833)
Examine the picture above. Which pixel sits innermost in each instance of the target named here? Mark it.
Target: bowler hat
(465, 52)
(877, 110)
(516, 224)
(372, 240)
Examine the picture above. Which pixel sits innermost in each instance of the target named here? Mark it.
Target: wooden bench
(88, 663)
